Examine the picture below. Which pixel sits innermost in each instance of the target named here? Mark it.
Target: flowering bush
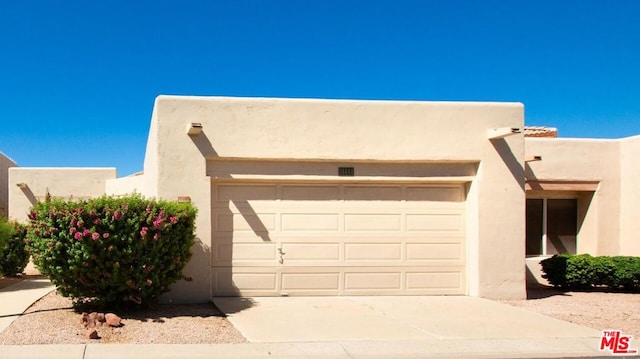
(13, 253)
(114, 250)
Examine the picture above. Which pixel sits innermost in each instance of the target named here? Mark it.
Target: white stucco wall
(629, 196)
(301, 129)
(5, 164)
(584, 160)
(125, 185)
(60, 182)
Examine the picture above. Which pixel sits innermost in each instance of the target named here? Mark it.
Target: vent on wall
(346, 171)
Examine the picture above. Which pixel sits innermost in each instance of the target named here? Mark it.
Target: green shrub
(555, 270)
(114, 250)
(580, 271)
(584, 271)
(627, 272)
(13, 252)
(604, 271)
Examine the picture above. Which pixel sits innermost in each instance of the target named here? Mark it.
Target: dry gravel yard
(598, 310)
(51, 320)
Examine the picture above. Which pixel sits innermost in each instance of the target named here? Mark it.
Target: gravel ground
(598, 310)
(52, 320)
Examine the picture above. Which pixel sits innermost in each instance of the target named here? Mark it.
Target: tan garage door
(337, 239)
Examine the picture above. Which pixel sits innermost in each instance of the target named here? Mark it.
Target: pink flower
(173, 219)
(117, 215)
(86, 232)
(157, 223)
(96, 221)
(72, 230)
(105, 235)
(80, 223)
(143, 231)
(95, 236)
(77, 235)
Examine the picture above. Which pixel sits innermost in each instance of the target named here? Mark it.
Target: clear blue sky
(78, 78)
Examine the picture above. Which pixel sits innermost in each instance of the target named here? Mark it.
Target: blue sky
(78, 78)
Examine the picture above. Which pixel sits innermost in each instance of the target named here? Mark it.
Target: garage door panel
(310, 222)
(368, 193)
(260, 222)
(338, 239)
(310, 193)
(434, 280)
(435, 194)
(373, 251)
(240, 252)
(362, 280)
(372, 222)
(434, 251)
(238, 193)
(229, 282)
(435, 222)
(311, 282)
(373, 281)
(297, 251)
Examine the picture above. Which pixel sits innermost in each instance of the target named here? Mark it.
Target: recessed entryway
(551, 226)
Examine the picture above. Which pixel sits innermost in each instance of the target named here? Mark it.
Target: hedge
(13, 252)
(113, 250)
(585, 272)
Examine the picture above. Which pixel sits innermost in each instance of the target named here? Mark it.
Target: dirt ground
(54, 320)
(600, 310)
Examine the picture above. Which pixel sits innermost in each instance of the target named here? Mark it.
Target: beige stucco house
(5, 164)
(341, 197)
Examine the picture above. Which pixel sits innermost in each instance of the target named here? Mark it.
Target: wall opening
(551, 226)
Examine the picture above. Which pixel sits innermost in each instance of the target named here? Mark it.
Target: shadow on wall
(510, 160)
(29, 194)
(204, 145)
(195, 288)
(222, 218)
(528, 172)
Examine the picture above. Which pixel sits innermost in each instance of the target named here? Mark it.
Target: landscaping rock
(93, 320)
(112, 320)
(92, 334)
(84, 318)
(100, 317)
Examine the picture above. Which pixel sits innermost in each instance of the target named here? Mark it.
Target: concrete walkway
(411, 326)
(343, 328)
(15, 299)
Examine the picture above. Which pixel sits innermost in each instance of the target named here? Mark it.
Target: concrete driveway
(420, 324)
